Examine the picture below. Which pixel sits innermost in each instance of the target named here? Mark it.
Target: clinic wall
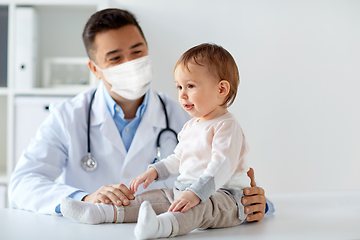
(299, 98)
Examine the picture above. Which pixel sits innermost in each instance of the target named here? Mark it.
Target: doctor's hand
(186, 200)
(118, 194)
(255, 197)
(147, 177)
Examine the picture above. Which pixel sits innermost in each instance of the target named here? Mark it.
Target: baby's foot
(149, 225)
(85, 212)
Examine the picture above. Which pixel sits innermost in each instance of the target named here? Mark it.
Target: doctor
(125, 118)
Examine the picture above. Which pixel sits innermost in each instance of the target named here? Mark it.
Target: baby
(209, 159)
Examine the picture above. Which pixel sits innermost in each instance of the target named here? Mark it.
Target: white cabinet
(3, 137)
(3, 194)
(25, 126)
(56, 30)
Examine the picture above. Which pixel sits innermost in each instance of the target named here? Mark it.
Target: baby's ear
(224, 88)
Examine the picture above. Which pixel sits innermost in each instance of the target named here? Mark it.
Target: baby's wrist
(153, 171)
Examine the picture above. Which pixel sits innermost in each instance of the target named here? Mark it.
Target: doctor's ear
(224, 88)
(94, 69)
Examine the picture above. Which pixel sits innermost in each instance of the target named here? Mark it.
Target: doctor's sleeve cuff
(269, 209)
(78, 195)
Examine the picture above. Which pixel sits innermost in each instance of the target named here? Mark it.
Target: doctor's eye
(115, 59)
(137, 52)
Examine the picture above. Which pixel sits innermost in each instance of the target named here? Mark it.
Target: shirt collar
(111, 105)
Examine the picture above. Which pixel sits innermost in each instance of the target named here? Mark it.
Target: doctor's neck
(129, 107)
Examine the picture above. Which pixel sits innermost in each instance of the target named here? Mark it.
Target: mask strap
(96, 66)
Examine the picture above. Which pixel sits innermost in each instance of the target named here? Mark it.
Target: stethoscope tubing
(88, 123)
(85, 161)
(167, 125)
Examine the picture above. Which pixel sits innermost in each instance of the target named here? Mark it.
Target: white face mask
(130, 80)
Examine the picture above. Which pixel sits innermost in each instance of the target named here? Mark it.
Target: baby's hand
(187, 200)
(147, 177)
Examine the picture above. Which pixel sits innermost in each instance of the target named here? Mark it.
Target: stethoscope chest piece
(88, 163)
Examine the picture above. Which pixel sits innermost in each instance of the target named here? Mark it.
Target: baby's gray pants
(219, 211)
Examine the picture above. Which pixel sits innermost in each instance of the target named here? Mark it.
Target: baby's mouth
(188, 107)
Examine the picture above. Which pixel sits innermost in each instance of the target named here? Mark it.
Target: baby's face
(198, 91)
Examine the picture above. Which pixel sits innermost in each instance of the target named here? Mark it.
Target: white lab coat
(49, 169)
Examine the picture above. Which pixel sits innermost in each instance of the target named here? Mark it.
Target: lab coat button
(127, 129)
(117, 108)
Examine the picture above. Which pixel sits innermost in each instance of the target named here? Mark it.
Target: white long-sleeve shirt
(210, 155)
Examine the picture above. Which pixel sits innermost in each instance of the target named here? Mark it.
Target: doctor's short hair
(104, 20)
(218, 62)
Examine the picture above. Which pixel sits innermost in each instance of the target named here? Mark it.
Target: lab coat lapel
(152, 121)
(101, 116)
(110, 131)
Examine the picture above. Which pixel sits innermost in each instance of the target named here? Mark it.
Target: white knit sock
(151, 226)
(85, 212)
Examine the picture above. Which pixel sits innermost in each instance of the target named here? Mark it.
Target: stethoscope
(89, 163)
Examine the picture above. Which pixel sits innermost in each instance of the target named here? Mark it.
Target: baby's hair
(218, 61)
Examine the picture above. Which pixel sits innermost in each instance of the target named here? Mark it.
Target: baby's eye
(191, 85)
(179, 87)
